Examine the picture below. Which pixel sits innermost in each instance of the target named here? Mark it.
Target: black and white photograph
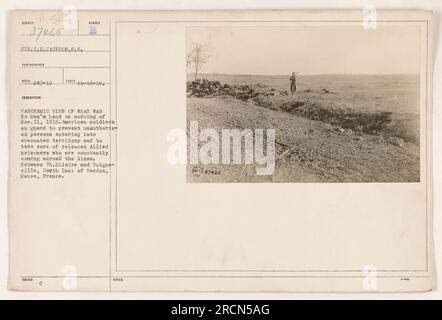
(239, 152)
(343, 101)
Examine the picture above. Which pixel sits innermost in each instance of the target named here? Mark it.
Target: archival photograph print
(303, 104)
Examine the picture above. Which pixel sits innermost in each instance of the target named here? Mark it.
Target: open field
(335, 128)
(394, 93)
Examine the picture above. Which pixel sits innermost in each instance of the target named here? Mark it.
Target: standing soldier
(293, 82)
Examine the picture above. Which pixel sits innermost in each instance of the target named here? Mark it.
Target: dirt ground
(306, 150)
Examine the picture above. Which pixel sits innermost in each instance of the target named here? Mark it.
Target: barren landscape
(335, 128)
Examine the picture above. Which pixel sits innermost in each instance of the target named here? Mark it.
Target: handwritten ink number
(38, 32)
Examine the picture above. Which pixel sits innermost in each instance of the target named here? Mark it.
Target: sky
(309, 50)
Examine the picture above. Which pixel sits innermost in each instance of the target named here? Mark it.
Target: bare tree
(197, 55)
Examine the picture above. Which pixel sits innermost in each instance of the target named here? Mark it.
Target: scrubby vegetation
(380, 123)
(384, 123)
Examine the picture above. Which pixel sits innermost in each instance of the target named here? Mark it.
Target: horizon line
(307, 74)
